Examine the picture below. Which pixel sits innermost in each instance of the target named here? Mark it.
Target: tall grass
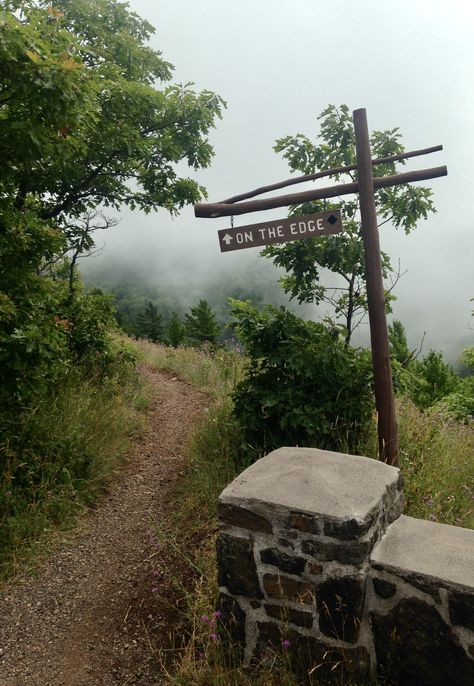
(213, 371)
(57, 457)
(436, 457)
(437, 461)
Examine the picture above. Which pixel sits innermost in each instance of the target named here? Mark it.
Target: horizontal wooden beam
(328, 172)
(214, 210)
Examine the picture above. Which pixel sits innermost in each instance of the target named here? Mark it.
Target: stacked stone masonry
(315, 557)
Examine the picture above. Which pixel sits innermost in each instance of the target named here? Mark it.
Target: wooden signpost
(280, 231)
(285, 230)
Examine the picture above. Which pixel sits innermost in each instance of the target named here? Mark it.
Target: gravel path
(85, 620)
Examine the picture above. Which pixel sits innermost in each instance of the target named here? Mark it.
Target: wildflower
(213, 637)
(217, 614)
(285, 644)
(204, 618)
(154, 589)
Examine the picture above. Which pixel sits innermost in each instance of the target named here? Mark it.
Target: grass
(438, 468)
(213, 371)
(439, 485)
(57, 457)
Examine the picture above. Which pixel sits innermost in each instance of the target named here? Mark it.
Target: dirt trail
(85, 620)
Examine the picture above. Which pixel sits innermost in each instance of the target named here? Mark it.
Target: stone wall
(315, 559)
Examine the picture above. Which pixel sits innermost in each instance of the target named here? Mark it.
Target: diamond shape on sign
(332, 219)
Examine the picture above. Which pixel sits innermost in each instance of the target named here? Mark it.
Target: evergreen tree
(176, 331)
(398, 343)
(150, 323)
(201, 323)
(434, 380)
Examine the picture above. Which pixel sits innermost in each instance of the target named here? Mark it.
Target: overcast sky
(278, 64)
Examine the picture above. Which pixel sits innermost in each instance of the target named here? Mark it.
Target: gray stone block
(233, 619)
(291, 564)
(349, 529)
(290, 615)
(302, 522)
(384, 588)
(340, 602)
(240, 517)
(461, 609)
(236, 566)
(350, 553)
(283, 587)
(415, 646)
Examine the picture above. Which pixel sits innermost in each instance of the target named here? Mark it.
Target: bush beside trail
(302, 385)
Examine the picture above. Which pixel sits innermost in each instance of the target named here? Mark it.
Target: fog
(278, 64)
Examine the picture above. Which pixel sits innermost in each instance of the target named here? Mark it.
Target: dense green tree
(150, 323)
(433, 379)
(176, 331)
(399, 345)
(201, 323)
(302, 385)
(82, 116)
(467, 359)
(342, 254)
(87, 119)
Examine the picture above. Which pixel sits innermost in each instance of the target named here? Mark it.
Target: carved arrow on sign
(281, 230)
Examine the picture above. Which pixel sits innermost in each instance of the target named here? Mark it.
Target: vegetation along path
(85, 620)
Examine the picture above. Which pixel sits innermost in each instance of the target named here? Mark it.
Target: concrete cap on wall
(320, 482)
(429, 549)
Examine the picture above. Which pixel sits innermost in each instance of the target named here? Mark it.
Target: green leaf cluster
(342, 254)
(433, 379)
(302, 385)
(88, 118)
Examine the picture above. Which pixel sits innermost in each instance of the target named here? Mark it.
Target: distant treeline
(132, 296)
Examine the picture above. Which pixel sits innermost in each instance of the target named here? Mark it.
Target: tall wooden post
(384, 398)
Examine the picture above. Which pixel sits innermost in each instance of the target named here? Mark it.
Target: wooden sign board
(280, 231)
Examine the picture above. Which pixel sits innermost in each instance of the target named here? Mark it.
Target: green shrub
(430, 380)
(302, 386)
(90, 316)
(460, 404)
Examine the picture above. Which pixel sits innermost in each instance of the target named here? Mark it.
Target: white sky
(278, 64)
